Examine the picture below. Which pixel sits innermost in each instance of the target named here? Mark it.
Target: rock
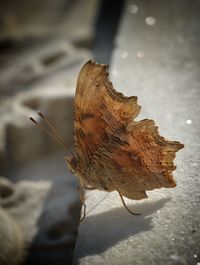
(47, 218)
(6, 188)
(11, 240)
(3, 162)
(42, 196)
(25, 142)
(53, 96)
(44, 18)
(55, 60)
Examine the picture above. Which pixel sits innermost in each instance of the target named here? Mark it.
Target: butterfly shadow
(106, 229)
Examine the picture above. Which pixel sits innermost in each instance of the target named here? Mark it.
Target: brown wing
(99, 109)
(135, 160)
(115, 151)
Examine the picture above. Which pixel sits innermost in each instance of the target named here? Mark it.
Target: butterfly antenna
(55, 134)
(54, 130)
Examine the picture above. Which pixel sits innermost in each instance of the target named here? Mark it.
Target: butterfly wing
(98, 109)
(139, 159)
(115, 151)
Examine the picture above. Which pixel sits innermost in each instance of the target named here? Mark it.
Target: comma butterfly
(114, 152)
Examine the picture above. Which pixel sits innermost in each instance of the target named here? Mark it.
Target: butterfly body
(89, 179)
(114, 152)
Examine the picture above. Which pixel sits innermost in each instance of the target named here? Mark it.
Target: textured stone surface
(55, 61)
(11, 240)
(46, 207)
(51, 91)
(156, 59)
(44, 17)
(44, 203)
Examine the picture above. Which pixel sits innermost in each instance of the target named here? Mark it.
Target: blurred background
(152, 47)
(43, 45)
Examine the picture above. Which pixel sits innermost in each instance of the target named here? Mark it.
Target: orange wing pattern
(135, 160)
(98, 107)
(114, 151)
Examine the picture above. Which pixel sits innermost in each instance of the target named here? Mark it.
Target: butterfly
(113, 152)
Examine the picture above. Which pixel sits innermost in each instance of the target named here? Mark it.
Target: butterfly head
(72, 163)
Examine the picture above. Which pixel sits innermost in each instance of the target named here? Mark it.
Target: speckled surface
(157, 58)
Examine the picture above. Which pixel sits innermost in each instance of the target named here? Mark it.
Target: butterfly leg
(122, 198)
(80, 189)
(125, 204)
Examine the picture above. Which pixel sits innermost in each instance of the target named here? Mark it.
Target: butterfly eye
(69, 164)
(72, 163)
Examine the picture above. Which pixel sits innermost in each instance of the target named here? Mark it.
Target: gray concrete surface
(156, 58)
(45, 203)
